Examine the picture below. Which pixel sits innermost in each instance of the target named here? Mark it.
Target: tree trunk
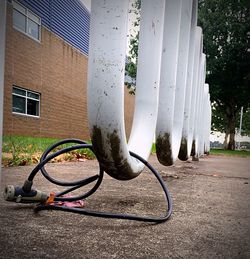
(225, 143)
(231, 123)
(231, 144)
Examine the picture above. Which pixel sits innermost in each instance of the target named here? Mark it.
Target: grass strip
(22, 150)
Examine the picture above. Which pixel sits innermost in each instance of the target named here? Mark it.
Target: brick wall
(57, 71)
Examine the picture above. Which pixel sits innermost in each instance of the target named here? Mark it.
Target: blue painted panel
(69, 19)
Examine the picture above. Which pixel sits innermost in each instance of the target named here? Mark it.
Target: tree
(131, 62)
(226, 32)
(245, 129)
(219, 122)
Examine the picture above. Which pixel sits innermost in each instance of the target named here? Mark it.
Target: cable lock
(26, 194)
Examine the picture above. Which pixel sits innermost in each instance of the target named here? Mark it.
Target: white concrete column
(203, 120)
(2, 63)
(187, 134)
(108, 30)
(195, 84)
(170, 48)
(208, 121)
(172, 93)
(199, 107)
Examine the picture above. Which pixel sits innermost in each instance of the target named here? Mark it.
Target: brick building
(46, 69)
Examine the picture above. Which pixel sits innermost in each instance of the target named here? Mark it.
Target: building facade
(45, 90)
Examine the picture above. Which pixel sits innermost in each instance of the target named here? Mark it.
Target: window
(25, 102)
(26, 21)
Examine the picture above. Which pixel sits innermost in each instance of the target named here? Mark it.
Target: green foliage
(226, 26)
(131, 68)
(245, 130)
(131, 64)
(226, 31)
(218, 118)
(226, 34)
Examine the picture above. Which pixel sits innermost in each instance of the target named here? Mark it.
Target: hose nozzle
(17, 194)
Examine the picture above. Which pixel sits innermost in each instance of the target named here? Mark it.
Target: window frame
(26, 97)
(28, 16)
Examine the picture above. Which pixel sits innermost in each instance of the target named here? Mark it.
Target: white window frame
(26, 97)
(28, 16)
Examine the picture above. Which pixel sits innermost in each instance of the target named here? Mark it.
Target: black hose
(77, 184)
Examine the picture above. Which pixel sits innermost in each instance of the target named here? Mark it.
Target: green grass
(26, 144)
(242, 153)
(153, 149)
(20, 150)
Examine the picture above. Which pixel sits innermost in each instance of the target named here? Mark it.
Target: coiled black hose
(46, 157)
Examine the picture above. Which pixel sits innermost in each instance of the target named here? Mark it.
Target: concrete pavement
(211, 217)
